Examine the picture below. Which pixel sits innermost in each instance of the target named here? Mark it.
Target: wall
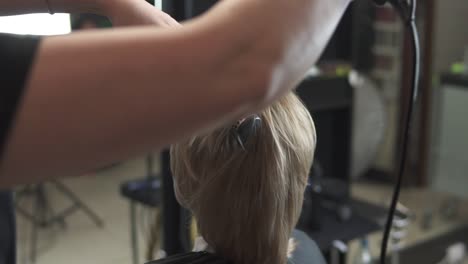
(451, 33)
(446, 170)
(158, 4)
(449, 159)
(387, 52)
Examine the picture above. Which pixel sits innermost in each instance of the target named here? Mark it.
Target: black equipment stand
(43, 215)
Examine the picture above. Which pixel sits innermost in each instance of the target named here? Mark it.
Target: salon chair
(306, 252)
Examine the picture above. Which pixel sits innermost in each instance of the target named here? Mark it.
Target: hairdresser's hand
(135, 13)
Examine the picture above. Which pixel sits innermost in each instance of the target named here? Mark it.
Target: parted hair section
(247, 200)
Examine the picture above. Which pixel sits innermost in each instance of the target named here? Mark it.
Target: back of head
(248, 200)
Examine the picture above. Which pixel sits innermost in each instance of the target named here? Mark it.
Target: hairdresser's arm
(98, 97)
(120, 12)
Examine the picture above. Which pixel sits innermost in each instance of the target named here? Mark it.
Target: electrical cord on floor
(408, 13)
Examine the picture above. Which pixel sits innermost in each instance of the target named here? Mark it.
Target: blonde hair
(247, 201)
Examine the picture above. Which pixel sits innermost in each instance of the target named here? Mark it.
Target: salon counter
(437, 220)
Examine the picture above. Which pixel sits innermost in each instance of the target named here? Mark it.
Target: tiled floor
(82, 241)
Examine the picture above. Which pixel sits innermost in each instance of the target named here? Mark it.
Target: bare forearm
(292, 33)
(98, 97)
(287, 36)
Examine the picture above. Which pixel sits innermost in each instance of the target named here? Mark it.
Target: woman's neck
(201, 245)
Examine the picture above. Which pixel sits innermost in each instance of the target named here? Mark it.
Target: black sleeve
(16, 57)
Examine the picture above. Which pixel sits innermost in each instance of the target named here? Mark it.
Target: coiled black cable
(410, 20)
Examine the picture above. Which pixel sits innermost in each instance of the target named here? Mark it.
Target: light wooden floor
(82, 241)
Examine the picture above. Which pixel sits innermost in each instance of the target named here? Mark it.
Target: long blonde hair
(248, 200)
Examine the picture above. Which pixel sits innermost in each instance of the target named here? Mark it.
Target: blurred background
(127, 213)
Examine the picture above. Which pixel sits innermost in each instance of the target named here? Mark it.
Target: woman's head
(247, 199)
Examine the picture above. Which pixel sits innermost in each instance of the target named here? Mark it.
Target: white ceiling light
(36, 24)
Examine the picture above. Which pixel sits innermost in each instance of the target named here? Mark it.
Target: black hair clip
(246, 127)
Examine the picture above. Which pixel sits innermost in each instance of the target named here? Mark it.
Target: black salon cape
(306, 252)
(194, 258)
(16, 55)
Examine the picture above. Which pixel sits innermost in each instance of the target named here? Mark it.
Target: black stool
(142, 191)
(145, 191)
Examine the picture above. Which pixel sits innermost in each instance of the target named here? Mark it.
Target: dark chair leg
(38, 212)
(134, 233)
